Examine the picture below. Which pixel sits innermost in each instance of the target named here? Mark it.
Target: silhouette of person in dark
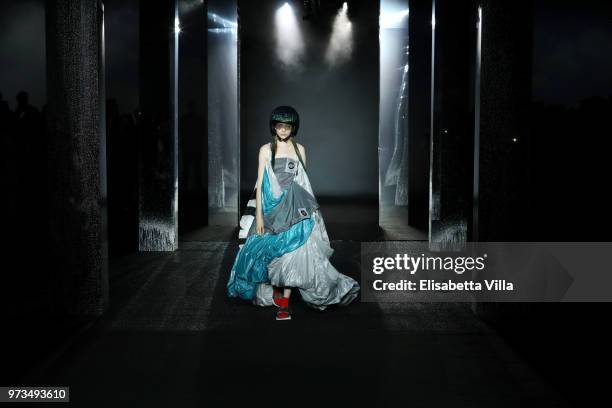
(8, 161)
(5, 111)
(31, 163)
(27, 116)
(27, 128)
(6, 123)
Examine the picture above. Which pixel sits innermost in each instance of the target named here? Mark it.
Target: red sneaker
(276, 297)
(283, 312)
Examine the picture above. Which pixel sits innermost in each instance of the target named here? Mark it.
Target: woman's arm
(302, 152)
(263, 157)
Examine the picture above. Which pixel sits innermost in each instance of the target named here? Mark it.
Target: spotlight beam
(289, 41)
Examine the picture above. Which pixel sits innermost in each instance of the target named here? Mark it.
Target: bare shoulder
(264, 151)
(302, 148)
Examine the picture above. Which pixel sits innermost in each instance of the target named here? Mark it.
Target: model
(286, 244)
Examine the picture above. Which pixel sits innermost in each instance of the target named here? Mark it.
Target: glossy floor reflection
(172, 338)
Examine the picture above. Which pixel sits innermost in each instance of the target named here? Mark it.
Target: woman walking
(286, 245)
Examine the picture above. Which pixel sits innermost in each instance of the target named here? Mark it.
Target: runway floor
(173, 338)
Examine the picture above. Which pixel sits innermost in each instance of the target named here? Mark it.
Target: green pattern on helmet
(284, 117)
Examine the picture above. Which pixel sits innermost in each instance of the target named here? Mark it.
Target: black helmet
(285, 114)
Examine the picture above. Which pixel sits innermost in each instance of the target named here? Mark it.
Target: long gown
(294, 250)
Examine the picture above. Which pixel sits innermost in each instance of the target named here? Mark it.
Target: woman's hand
(259, 224)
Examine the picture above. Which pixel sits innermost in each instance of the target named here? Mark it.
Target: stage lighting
(341, 41)
(289, 42)
(285, 11)
(221, 22)
(394, 20)
(177, 27)
(221, 25)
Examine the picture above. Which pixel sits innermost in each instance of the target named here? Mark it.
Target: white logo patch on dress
(303, 212)
(290, 166)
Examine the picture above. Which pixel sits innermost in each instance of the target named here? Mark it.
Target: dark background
(568, 161)
(572, 50)
(572, 85)
(338, 106)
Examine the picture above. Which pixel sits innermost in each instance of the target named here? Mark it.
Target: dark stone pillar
(452, 143)
(158, 126)
(193, 146)
(77, 247)
(502, 141)
(192, 140)
(505, 102)
(419, 97)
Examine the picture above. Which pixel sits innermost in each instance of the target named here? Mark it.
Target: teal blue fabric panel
(251, 264)
(269, 202)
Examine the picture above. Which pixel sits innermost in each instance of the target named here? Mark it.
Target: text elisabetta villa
(412, 265)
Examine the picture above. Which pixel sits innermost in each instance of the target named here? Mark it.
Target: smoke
(289, 41)
(340, 45)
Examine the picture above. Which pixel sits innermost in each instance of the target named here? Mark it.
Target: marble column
(158, 126)
(76, 157)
